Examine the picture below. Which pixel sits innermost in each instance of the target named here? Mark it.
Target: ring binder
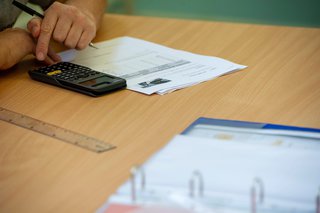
(176, 182)
(257, 183)
(196, 175)
(134, 170)
(318, 202)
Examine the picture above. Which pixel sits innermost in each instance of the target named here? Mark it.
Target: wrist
(20, 39)
(15, 45)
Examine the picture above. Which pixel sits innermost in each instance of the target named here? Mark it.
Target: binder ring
(257, 183)
(196, 175)
(134, 171)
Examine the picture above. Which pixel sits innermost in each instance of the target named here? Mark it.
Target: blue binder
(247, 125)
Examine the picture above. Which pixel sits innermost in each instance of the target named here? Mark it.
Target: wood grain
(39, 174)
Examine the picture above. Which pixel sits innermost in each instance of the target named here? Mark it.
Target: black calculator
(78, 78)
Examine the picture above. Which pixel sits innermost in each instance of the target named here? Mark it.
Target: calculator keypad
(67, 71)
(78, 78)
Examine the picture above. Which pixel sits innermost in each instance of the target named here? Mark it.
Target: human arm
(17, 43)
(73, 23)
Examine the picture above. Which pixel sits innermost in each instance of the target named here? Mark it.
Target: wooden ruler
(54, 131)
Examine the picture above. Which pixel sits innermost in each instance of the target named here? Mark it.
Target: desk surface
(40, 174)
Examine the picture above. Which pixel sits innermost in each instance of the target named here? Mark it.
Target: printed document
(148, 67)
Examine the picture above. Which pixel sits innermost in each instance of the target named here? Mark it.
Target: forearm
(15, 45)
(95, 8)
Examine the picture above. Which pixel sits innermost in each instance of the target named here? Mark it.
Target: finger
(73, 37)
(61, 30)
(47, 27)
(85, 39)
(53, 55)
(49, 60)
(34, 26)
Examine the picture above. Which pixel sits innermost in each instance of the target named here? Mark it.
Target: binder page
(276, 138)
(148, 67)
(229, 170)
(291, 137)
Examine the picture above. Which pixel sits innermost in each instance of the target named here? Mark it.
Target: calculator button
(68, 71)
(84, 75)
(55, 72)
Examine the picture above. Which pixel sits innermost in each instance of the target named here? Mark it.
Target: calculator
(78, 78)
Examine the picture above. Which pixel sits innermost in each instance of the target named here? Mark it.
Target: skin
(17, 43)
(72, 23)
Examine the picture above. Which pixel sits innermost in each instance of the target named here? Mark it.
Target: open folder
(227, 166)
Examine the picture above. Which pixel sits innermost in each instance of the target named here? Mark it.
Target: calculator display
(97, 81)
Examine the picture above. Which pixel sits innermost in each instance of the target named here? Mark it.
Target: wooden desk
(40, 174)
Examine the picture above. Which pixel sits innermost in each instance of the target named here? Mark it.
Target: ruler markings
(54, 131)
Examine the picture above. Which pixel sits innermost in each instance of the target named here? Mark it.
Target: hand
(66, 24)
(15, 44)
(34, 26)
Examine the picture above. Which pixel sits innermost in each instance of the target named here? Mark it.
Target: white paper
(148, 67)
(291, 176)
(264, 137)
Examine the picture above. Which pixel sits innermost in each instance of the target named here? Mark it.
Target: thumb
(34, 27)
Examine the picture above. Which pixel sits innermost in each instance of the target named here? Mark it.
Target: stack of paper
(148, 67)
